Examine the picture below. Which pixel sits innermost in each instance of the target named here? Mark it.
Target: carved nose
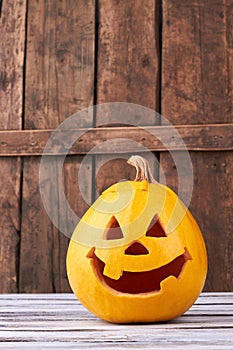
(136, 248)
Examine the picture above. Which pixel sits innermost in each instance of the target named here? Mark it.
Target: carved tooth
(91, 253)
(112, 271)
(187, 255)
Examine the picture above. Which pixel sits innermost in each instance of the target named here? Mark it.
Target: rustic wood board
(54, 321)
(128, 64)
(197, 88)
(208, 137)
(60, 43)
(196, 61)
(12, 27)
(128, 53)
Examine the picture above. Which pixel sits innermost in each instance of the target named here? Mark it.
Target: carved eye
(113, 230)
(155, 228)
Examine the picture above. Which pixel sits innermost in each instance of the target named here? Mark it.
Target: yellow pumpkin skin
(141, 203)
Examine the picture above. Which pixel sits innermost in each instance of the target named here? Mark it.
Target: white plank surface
(59, 321)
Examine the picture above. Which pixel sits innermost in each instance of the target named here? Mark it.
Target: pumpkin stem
(142, 168)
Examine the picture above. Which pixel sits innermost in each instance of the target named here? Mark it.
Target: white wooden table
(58, 321)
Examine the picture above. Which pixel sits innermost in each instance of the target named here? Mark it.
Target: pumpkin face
(144, 266)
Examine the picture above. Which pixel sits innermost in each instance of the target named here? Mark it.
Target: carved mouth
(140, 282)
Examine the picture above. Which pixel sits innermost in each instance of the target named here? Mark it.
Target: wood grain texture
(59, 321)
(211, 206)
(196, 87)
(12, 27)
(127, 66)
(60, 44)
(128, 52)
(196, 61)
(210, 137)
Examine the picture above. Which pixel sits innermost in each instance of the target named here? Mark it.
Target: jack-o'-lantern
(137, 255)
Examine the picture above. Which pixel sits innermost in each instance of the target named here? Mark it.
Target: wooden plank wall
(60, 38)
(60, 57)
(12, 43)
(197, 89)
(127, 68)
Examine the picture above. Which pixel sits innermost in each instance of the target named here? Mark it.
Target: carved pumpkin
(130, 260)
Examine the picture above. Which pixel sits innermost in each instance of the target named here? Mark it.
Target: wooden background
(58, 57)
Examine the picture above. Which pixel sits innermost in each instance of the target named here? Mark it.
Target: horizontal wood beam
(211, 137)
